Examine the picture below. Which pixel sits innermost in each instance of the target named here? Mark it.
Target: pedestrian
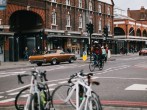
(104, 53)
(34, 51)
(26, 56)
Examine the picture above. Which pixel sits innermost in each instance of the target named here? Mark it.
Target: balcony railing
(32, 3)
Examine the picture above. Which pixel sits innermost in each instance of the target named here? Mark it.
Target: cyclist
(97, 52)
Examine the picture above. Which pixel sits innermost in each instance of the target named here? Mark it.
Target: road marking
(1, 92)
(50, 85)
(7, 100)
(18, 88)
(138, 87)
(1, 96)
(14, 93)
(63, 82)
(25, 95)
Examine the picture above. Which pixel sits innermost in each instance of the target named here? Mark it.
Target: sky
(132, 4)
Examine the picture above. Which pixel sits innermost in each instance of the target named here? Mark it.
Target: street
(123, 81)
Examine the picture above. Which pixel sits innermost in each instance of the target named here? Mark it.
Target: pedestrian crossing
(9, 95)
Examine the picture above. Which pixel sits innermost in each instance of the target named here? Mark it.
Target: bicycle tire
(94, 95)
(92, 66)
(59, 95)
(20, 99)
(92, 104)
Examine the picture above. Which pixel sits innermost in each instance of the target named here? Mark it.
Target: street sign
(84, 56)
(3, 4)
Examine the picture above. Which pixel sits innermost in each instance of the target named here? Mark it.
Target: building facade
(52, 24)
(131, 31)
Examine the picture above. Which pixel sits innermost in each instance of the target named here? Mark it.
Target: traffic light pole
(90, 47)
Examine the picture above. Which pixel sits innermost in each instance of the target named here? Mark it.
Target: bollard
(0, 63)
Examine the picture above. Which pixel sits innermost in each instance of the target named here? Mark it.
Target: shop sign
(3, 4)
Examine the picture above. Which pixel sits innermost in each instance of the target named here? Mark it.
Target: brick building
(52, 24)
(131, 31)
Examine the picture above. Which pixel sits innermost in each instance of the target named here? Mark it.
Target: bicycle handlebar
(79, 74)
(40, 74)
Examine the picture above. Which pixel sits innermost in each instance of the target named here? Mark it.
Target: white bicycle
(38, 95)
(78, 94)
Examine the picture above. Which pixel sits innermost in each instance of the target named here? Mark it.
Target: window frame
(67, 2)
(54, 18)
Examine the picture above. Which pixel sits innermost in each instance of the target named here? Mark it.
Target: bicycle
(77, 94)
(38, 94)
(95, 62)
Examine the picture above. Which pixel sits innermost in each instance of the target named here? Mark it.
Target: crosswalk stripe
(14, 93)
(7, 100)
(1, 96)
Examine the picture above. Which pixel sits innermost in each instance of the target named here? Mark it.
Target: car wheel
(71, 60)
(54, 61)
(39, 64)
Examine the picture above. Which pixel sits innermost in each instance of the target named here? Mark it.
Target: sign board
(3, 4)
(84, 56)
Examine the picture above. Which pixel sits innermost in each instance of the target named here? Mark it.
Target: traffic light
(105, 31)
(89, 28)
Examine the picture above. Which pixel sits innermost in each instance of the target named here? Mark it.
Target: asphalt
(26, 64)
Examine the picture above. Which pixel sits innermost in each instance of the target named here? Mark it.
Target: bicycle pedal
(52, 108)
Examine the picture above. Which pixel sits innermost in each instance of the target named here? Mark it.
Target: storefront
(4, 47)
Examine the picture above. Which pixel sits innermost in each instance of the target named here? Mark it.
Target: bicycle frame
(33, 89)
(86, 97)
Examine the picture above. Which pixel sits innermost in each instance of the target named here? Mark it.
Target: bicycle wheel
(21, 99)
(95, 96)
(92, 66)
(92, 104)
(59, 96)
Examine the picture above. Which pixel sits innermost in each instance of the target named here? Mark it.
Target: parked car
(143, 51)
(53, 57)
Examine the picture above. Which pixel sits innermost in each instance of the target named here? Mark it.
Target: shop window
(1, 50)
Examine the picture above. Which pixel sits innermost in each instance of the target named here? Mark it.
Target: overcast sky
(132, 4)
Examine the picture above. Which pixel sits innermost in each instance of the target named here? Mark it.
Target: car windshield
(51, 52)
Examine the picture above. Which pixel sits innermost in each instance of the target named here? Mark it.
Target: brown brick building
(131, 31)
(52, 24)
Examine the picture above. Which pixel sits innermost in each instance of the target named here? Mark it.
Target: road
(123, 81)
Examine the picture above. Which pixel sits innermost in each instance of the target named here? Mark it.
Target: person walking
(104, 56)
(26, 56)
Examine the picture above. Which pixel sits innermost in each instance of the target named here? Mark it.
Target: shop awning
(6, 33)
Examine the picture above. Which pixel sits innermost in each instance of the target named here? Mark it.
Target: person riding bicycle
(97, 52)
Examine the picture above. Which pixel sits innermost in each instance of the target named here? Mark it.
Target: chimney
(128, 12)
